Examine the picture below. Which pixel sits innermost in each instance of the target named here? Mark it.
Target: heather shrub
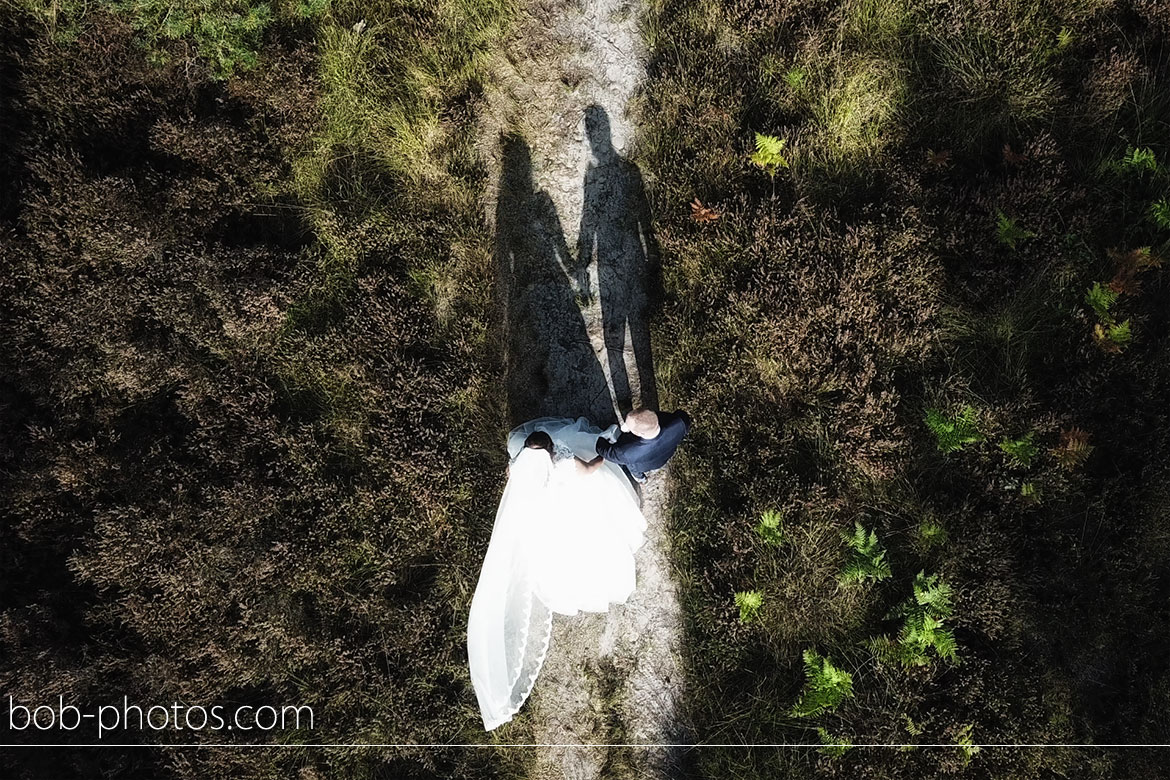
(252, 458)
(226, 35)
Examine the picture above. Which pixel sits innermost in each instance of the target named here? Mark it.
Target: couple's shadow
(552, 368)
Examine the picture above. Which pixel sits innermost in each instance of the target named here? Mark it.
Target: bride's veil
(508, 629)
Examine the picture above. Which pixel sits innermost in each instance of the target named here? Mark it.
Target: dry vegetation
(251, 411)
(932, 306)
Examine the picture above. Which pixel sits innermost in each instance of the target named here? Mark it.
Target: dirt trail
(577, 266)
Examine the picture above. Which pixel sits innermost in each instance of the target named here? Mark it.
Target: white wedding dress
(563, 541)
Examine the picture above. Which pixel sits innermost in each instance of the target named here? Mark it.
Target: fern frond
(1160, 213)
(1119, 334)
(768, 153)
(869, 558)
(749, 603)
(1008, 232)
(770, 528)
(1100, 299)
(1139, 159)
(932, 592)
(825, 686)
(1021, 450)
(966, 743)
(954, 433)
(831, 745)
(1073, 449)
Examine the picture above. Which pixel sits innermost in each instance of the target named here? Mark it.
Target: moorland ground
(924, 332)
(252, 374)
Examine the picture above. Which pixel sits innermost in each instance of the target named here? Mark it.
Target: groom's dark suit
(640, 455)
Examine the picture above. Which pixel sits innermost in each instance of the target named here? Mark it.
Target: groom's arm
(609, 451)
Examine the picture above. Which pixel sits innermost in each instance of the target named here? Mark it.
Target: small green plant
(914, 729)
(825, 686)
(1139, 159)
(1101, 299)
(794, 78)
(1008, 232)
(1116, 334)
(770, 528)
(923, 635)
(768, 154)
(1064, 38)
(1110, 335)
(226, 34)
(749, 603)
(966, 743)
(310, 9)
(931, 533)
(1160, 213)
(869, 557)
(832, 745)
(953, 433)
(1022, 450)
(1029, 492)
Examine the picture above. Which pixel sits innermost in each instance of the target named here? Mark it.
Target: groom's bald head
(643, 423)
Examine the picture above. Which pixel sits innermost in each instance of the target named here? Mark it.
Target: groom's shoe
(637, 477)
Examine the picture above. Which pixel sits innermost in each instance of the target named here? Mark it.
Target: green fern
(1100, 300)
(749, 603)
(825, 686)
(953, 433)
(966, 743)
(1119, 334)
(770, 528)
(768, 153)
(934, 594)
(1008, 232)
(1021, 450)
(833, 746)
(923, 635)
(1160, 213)
(1139, 159)
(869, 558)
(1111, 335)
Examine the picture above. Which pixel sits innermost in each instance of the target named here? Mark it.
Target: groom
(648, 440)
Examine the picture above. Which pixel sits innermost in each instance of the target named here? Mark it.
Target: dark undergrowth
(250, 405)
(930, 304)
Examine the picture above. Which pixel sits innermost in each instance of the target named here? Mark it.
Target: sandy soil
(578, 271)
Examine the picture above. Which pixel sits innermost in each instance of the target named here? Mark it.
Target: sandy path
(577, 261)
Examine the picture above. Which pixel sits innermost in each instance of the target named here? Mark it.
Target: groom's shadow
(616, 233)
(552, 369)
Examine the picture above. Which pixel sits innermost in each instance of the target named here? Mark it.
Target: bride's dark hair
(539, 440)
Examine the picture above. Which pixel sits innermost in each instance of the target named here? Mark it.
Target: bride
(563, 541)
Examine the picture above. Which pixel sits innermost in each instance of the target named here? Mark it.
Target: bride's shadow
(552, 368)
